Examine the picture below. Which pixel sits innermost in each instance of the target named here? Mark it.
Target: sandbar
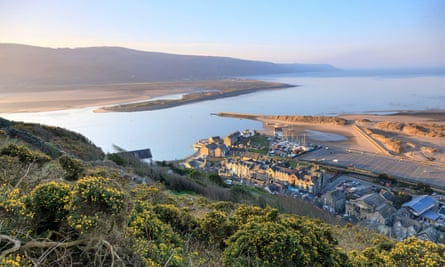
(72, 97)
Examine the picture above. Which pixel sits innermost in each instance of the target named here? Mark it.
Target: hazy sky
(365, 33)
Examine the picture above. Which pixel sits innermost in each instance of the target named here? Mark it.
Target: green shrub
(34, 141)
(49, 203)
(216, 179)
(96, 194)
(24, 154)
(117, 158)
(11, 203)
(94, 202)
(214, 228)
(15, 260)
(279, 244)
(154, 240)
(167, 213)
(73, 167)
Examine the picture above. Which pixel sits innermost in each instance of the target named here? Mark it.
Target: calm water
(171, 132)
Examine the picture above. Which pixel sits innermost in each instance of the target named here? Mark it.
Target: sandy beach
(51, 100)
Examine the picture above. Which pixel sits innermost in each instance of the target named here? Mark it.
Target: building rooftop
(420, 204)
(431, 215)
(373, 200)
(140, 154)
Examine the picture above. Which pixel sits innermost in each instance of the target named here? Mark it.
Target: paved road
(414, 171)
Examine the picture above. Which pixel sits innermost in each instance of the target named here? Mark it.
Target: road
(411, 171)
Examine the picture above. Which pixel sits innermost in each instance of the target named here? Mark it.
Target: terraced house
(302, 178)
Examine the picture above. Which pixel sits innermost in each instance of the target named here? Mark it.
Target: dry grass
(413, 128)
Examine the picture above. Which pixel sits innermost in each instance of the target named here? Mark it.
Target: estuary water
(171, 132)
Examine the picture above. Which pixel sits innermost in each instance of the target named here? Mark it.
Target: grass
(258, 144)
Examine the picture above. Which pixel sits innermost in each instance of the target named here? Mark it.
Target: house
(215, 140)
(282, 174)
(142, 154)
(430, 216)
(442, 212)
(231, 139)
(372, 208)
(213, 150)
(334, 201)
(195, 164)
(295, 177)
(423, 207)
(248, 133)
(139, 154)
(207, 150)
(386, 194)
(430, 234)
(241, 168)
(420, 204)
(221, 150)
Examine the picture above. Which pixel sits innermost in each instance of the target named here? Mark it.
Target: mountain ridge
(33, 66)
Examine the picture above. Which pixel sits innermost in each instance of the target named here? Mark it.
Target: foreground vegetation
(65, 203)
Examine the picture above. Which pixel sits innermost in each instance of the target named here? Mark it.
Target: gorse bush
(214, 228)
(154, 240)
(49, 204)
(24, 154)
(410, 252)
(278, 243)
(15, 261)
(73, 167)
(12, 204)
(95, 194)
(95, 202)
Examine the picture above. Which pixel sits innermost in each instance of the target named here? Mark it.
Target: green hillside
(64, 203)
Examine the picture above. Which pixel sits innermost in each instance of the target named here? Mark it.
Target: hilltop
(63, 202)
(25, 67)
(43, 79)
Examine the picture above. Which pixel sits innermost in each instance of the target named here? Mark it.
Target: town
(331, 178)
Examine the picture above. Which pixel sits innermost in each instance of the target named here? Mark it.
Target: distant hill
(23, 66)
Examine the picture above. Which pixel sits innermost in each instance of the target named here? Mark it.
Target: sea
(170, 133)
